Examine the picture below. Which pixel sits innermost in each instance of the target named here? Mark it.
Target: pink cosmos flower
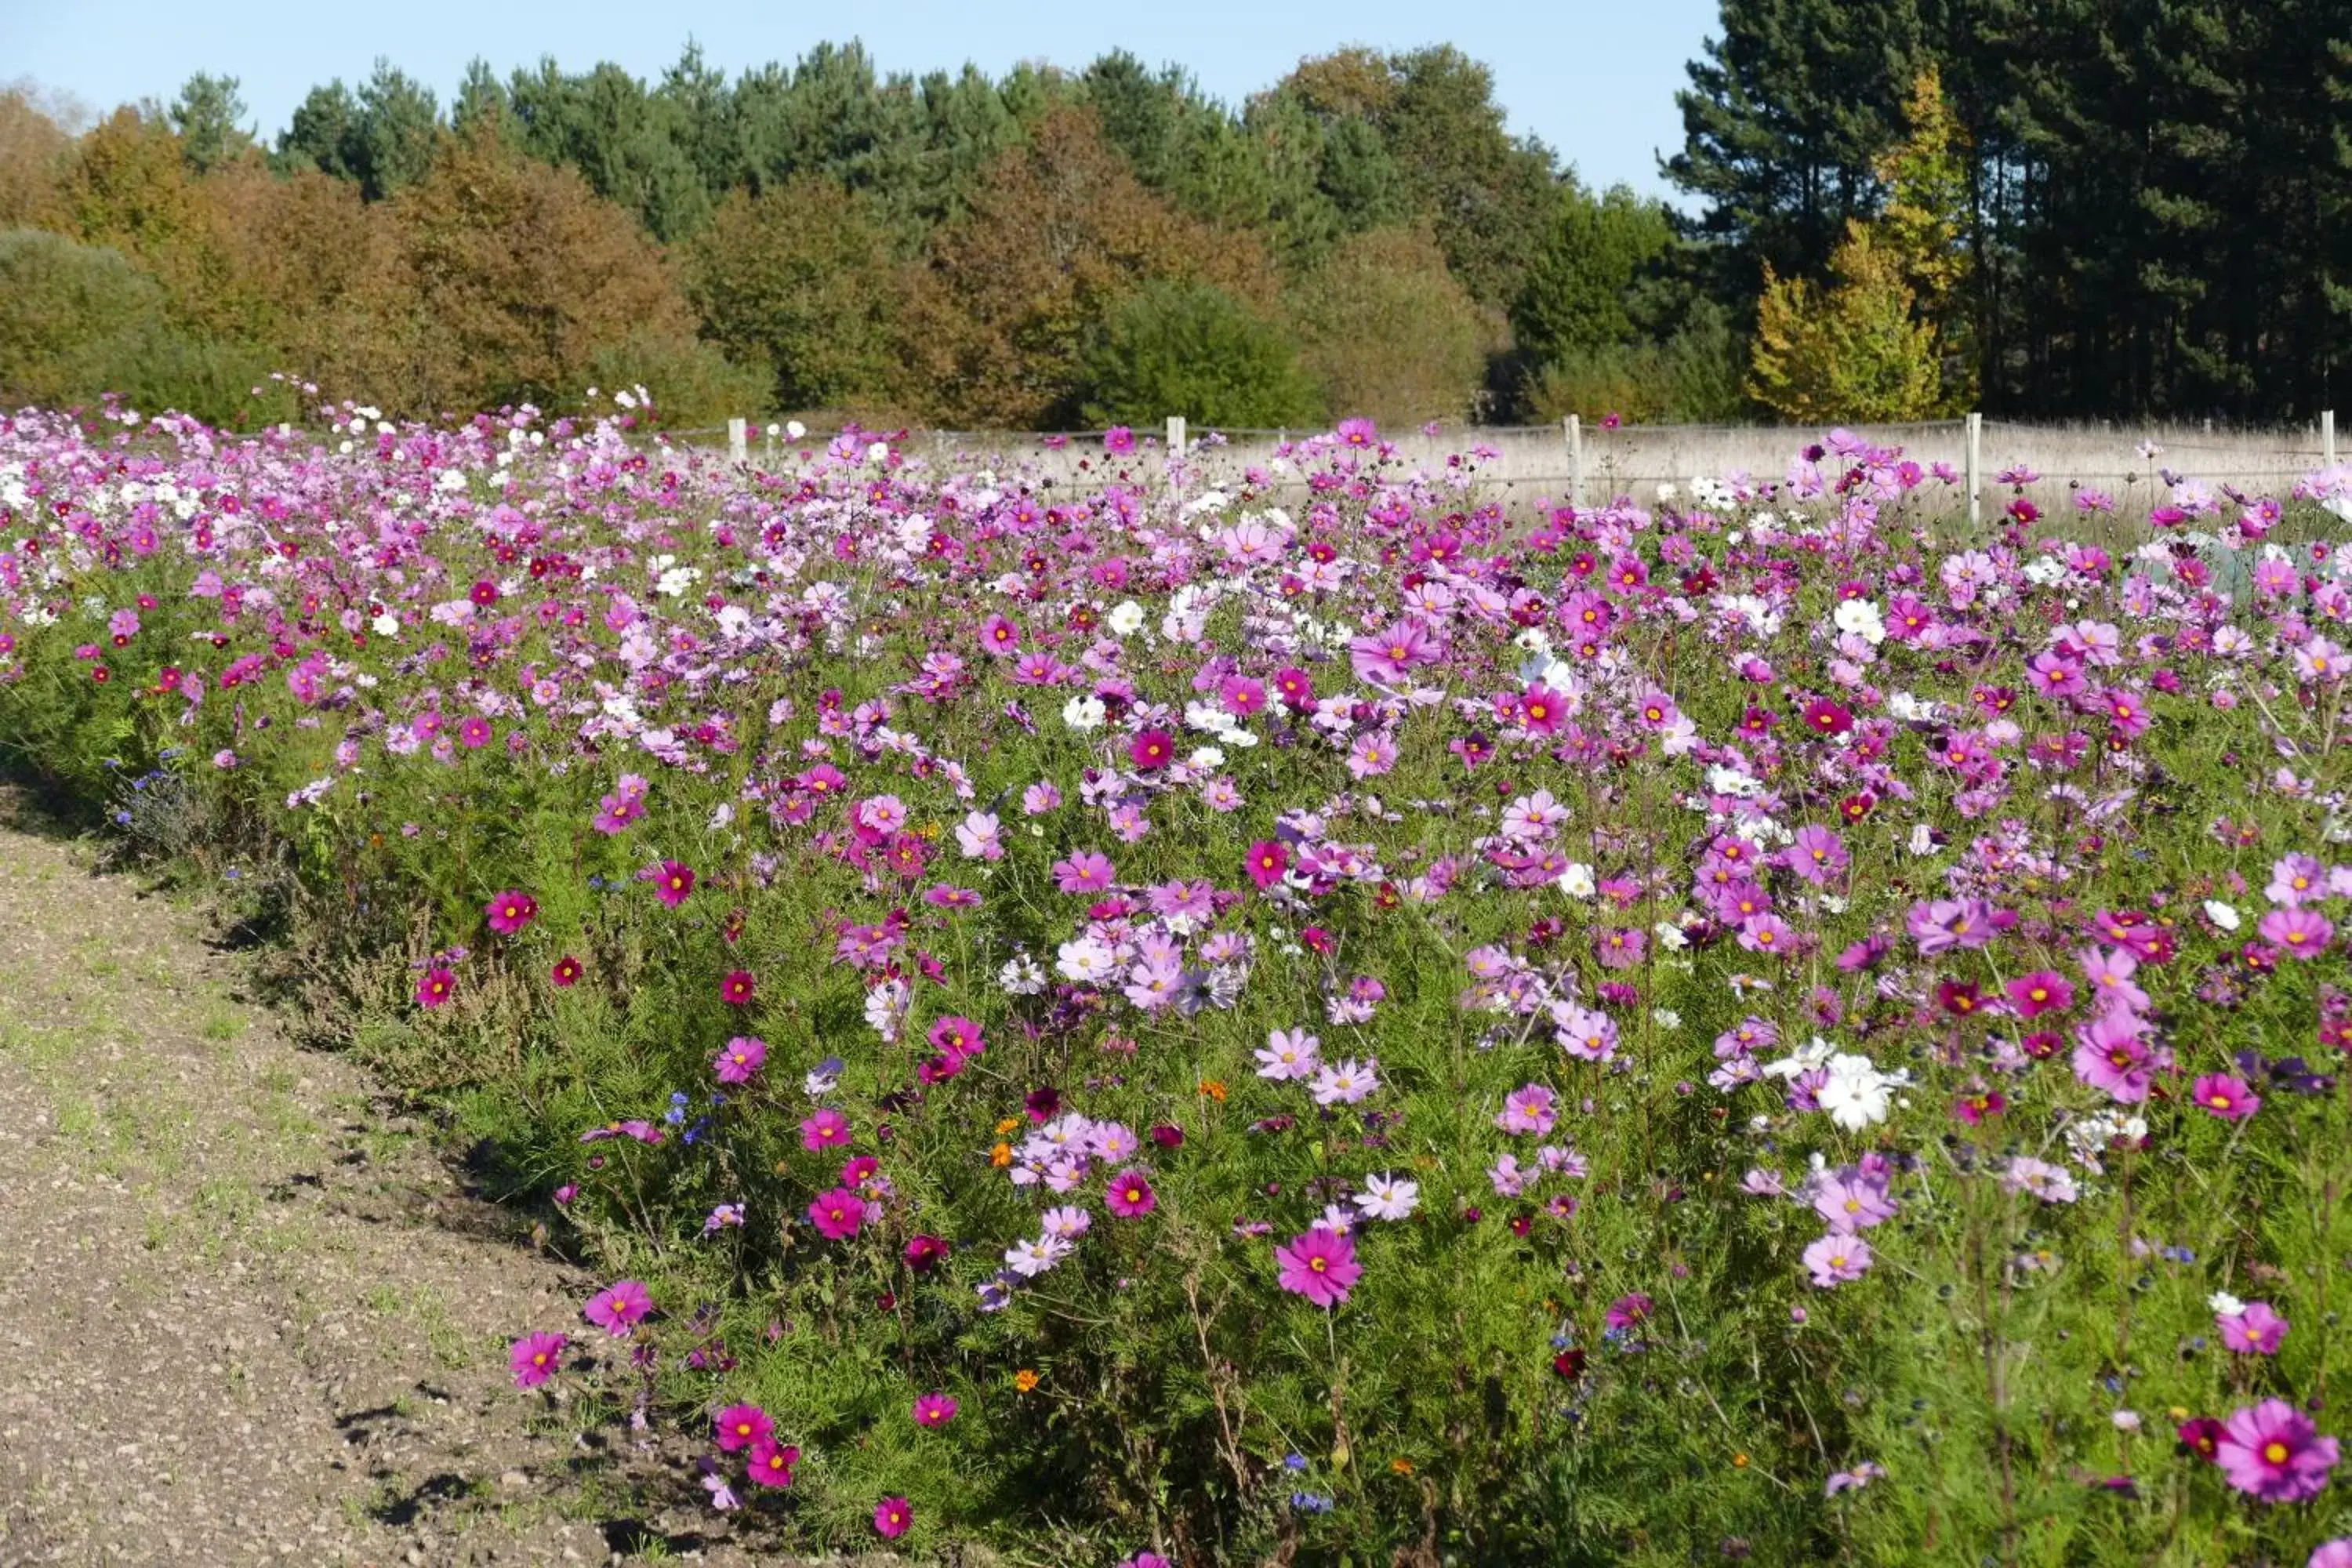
(2271, 1451)
(1528, 1109)
(535, 1357)
(512, 912)
(2043, 991)
(1088, 871)
(999, 636)
(2301, 933)
(2252, 1330)
(1940, 925)
(1129, 1194)
(934, 1409)
(740, 1059)
(957, 1037)
(2229, 1098)
(620, 1308)
(2110, 1056)
(1628, 1312)
(892, 1515)
(436, 986)
(740, 1426)
(1837, 1258)
(837, 1214)
(1151, 749)
(1320, 1265)
(1117, 438)
(1542, 710)
(1242, 696)
(824, 1129)
(672, 882)
(2334, 1553)
(1852, 1205)
(771, 1464)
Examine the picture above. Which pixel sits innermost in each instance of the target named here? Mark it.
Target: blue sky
(1595, 79)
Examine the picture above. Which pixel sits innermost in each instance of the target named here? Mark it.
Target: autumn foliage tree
(505, 276)
(799, 280)
(1389, 332)
(1057, 231)
(1874, 341)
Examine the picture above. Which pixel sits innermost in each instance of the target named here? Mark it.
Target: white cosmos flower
(2220, 914)
(1856, 1094)
(1083, 712)
(1127, 619)
(1388, 1197)
(1861, 617)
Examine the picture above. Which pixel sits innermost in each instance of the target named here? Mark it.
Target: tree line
(1900, 208)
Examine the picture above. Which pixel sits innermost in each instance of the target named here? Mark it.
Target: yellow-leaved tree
(1887, 337)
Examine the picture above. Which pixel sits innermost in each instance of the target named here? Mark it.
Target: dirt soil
(248, 1313)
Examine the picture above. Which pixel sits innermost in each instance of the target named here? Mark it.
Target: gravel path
(246, 1315)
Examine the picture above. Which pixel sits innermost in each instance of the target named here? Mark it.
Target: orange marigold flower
(1214, 1087)
(1025, 1380)
(1002, 1155)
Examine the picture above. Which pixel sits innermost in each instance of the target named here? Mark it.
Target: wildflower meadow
(1296, 1016)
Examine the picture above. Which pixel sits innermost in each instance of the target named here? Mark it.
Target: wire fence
(1991, 461)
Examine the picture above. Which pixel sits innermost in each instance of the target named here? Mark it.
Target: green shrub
(1192, 349)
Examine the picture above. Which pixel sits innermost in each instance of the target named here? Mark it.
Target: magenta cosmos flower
(957, 1037)
(567, 971)
(826, 1129)
(620, 1308)
(1130, 1195)
(2271, 1451)
(740, 1426)
(741, 1057)
(672, 882)
(772, 1464)
(837, 1214)
(892, 1515)
(1152, 750)
(737, 988)
(510, 911)
(535, 1357)
(436, 986)
(2228, 1097)
(1117, 438)
(2043, 991)
(934, 1409)
(1268, 861)
(1320, 1265)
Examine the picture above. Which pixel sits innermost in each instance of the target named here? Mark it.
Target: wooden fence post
(737, 443)
(1575, 430)
(2328, 437)
(1975, 467)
